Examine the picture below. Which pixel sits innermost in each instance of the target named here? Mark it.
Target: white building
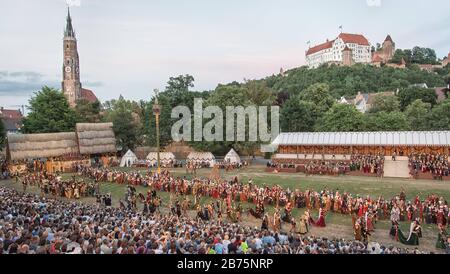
(331, 51)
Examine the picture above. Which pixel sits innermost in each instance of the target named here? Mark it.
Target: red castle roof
(326, 45)
(348, 38)
(354, 39)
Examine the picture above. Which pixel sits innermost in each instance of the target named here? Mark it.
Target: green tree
(411, 94)
(259, 93)
(423, 56)
(122, 113)
(386, 121)
(440, 116)
(341, 117)
(319, 94)
(418, 115)
(402, 54)
(88, 112)
(49, 112)
(384, 102)
(298, 116)
(177, 90)
(2, 134)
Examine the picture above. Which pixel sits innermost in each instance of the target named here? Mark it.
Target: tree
(386, 103)
(123, 115)
(418, 115)
(411, 94)
(401, 54)
(440, 116)
(2, 134)
(386, 121)
(259, 93)
(177, 90)
(423, 56)
(320, 95)
(49, 112)
(298, 116)
(341, 117)
(88, 112)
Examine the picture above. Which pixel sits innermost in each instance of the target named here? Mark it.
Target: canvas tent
(201, 157)
(165, 158)
(232, 157)
(128, 159)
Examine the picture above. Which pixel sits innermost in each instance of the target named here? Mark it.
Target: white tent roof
(201, 156)
(232, 156)
(407, 138)
(153, 156)
(129, 156)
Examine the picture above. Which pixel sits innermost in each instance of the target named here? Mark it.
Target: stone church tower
(71, 85)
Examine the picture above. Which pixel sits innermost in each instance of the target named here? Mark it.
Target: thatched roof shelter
(44, 145)
(96, 138)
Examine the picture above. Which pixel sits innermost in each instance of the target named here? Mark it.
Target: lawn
(337, 224)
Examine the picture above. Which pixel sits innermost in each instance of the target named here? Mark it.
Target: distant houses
(363, 101)
(12, 119)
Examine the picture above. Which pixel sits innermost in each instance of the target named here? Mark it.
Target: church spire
(69, 32)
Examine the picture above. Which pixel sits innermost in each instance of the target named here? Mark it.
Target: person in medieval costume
(303, 225)
(357, 230)
(442, 238)
(265, 222)
(321, 219)
(395, 213)
(413, 237)
(277, 220)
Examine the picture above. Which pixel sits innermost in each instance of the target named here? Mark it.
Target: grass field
(337, 224)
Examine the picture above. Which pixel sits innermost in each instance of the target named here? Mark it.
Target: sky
(131, 47)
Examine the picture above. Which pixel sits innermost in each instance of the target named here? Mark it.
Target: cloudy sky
(132, 47)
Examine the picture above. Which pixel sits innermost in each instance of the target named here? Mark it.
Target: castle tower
(71, 85)
(347, 57)
(388, 48)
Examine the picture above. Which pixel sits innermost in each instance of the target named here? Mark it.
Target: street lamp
(156, 112)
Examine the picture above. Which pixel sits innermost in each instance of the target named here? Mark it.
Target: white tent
(164, 157)
(128, 159)
(202, 157)
(232, 157)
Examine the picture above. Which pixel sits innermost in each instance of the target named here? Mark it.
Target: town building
(354, 47)
(363, 101)
(71, 84)
(446, 61)
(12, 119)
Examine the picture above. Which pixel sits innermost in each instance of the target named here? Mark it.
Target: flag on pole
(340, 28)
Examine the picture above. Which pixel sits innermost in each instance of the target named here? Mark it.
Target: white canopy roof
(152, 156)
(408, 138)
(232, 157)
(201, 156)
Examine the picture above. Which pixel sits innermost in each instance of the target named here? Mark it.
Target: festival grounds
(338, 225)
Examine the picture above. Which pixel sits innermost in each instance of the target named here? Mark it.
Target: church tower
(71, 85)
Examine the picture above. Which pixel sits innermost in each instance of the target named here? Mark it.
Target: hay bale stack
(44, 145)
(96, 138)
